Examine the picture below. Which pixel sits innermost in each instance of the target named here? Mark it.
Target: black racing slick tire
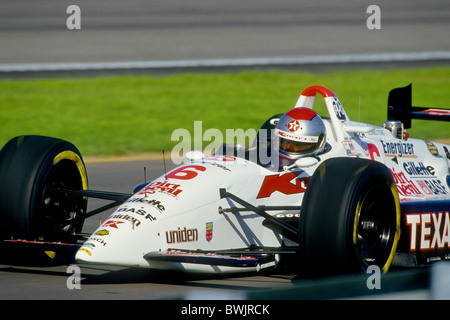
(350, 218)
(31, 168)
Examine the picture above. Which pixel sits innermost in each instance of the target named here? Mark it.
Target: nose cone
(116, 242)
(83, 255)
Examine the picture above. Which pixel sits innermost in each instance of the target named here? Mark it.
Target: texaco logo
(293, 125)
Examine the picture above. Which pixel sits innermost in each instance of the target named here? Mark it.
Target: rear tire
(350, 217)
(30, 166)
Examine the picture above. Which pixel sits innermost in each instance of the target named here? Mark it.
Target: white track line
(235, 62)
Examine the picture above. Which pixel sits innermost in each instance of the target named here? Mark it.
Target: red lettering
(372, 150)
(186, 172)
(287, 183)
(430, 230)
(405, 186)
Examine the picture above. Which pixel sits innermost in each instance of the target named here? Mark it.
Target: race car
(367, 196)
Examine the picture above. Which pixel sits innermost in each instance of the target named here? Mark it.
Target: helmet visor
(296, 147)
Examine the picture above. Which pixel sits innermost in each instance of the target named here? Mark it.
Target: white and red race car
(376, 197)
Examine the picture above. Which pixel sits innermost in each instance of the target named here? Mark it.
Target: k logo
(286, 183)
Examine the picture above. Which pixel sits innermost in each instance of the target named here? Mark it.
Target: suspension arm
(258, 210)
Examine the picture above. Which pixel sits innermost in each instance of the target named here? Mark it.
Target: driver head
(300, 133)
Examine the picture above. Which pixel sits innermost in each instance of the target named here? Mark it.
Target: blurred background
(129, 115)
(141, 30)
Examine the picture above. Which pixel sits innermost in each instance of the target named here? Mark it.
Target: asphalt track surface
(35, 32)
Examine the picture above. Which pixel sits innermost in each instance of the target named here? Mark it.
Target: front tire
(30, 168)
(350, 217)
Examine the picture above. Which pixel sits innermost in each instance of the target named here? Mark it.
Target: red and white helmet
(300, 132)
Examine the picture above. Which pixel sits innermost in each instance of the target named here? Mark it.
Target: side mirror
(195, 155)
(306, 162)
(303, 163)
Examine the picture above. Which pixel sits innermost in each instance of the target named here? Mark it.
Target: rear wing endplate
(400, 108)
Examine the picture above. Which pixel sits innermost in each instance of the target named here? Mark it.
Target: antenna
(145, 182)
(165, 169)
(359, 109)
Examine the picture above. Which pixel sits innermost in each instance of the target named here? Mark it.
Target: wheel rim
(376, 227)
(57, 207)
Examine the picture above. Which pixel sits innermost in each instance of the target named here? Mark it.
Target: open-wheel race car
(337, 196)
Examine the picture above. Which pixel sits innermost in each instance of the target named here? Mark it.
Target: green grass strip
(137, 114)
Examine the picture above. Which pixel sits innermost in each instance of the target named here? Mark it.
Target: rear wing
(400, 108)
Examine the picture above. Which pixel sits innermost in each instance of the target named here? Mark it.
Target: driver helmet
(299, 133)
